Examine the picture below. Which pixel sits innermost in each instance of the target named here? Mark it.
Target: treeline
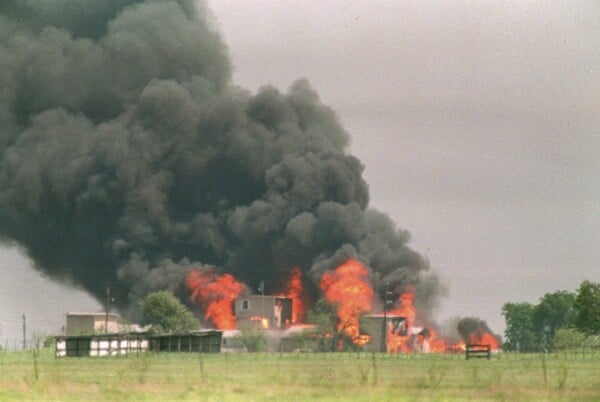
(560, 320)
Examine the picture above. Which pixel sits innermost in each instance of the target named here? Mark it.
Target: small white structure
(231, 341)
(101, 345)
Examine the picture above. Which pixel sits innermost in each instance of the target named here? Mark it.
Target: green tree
(553, 312)
(324, 316)
(587, 307)
(520, 332)
(166, 313)
(568, 338)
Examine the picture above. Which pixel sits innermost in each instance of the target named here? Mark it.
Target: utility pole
(106, 310)
(387, 301)
(24, 334)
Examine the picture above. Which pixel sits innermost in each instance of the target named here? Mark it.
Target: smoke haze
(127, 155)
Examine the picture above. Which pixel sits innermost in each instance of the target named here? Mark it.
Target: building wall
(374, 327)
(90, 323)
(126, 344)
(203, 341)
(100, 322)
(267, 312)
(101, 345)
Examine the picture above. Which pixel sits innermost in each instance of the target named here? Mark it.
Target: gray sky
(478, 124)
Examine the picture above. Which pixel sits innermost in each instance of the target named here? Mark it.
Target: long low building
(122, 344)
(206, 341)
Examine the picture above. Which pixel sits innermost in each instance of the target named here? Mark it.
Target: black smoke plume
(128, 155)
(472, 329)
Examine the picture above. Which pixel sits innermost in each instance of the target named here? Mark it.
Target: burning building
(348, 291)
(130, 160)
(268, 312)
(386, 333)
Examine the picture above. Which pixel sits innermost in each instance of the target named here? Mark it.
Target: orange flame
(481, 337)
(397, 339)
(348, 288)
(215, 294)
(437, 345)
(264, 321)
(295, 291)
(406, 307)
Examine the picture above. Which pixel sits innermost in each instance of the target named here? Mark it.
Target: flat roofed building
(96, 345)
(267, 312)
(79, 323)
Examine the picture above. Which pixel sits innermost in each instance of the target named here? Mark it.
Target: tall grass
(298, 377)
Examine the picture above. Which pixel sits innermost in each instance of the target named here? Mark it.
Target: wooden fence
(478, 351)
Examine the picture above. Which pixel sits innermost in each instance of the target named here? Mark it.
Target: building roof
(96, 314)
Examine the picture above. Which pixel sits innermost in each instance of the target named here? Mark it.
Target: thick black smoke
(127, 155)
(472, 328)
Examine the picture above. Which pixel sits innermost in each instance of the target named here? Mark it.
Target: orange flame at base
(349, 290)
(484, 338)
(400, 341)
(295, 291)
(215, 294)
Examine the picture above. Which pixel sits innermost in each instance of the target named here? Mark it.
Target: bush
(568, 338)
(253, 339)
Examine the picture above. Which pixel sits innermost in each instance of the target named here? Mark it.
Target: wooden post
(107, 307)
(24, 334)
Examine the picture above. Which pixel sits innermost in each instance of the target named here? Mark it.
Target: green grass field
(299, 377)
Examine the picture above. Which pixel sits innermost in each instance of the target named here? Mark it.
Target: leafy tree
(568, 338)
(324, 316)
(520, 331)
(165, 313)
(587, 306)
(553, 312)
